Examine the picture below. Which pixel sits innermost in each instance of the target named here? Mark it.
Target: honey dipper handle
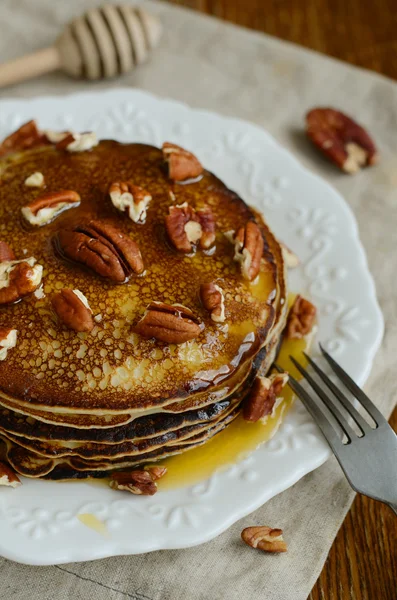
(29, 66)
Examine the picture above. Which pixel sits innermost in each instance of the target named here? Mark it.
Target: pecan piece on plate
(187, 227)
(102, 248)
(26, 137)
(36, 179)
(130, 198)
(301, 318)
(213, 300)
(172, 323)
(47, 207)
(248, 249)
(18, 278)
(139, 481)
(73, 309)
(341, 139)
(8, 340)
(264, 538)
(8, 477)
(6, 252)
(263, 395)
(182, 164)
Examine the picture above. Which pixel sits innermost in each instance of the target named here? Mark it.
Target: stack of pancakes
(86, 404)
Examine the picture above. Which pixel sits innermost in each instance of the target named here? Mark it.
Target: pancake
(75, 403)
(31, 464)
(141, 428)
(101, 451)
(106, 420)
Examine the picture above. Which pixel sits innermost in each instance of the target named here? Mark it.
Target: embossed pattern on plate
(38, 521)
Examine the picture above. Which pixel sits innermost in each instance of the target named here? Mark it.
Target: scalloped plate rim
(287, 480)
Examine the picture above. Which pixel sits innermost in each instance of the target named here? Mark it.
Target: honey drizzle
(91, 521)
(238, 440)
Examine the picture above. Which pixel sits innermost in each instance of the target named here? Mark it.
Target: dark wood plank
(362, 32)
(362, 564)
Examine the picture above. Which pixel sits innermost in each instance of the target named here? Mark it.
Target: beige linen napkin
(209, 64)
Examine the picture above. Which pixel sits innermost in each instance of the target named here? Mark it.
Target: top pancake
(112, 368)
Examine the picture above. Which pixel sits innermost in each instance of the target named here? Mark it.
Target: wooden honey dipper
(104, 42)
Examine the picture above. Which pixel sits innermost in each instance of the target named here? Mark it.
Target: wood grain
(362, 564)
(362, 32)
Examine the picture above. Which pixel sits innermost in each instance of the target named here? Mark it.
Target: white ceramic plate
(38, 521)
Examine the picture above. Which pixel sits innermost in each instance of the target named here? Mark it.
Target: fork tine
(360, 421)
(328, 431)
(354, 389)
(348, 431)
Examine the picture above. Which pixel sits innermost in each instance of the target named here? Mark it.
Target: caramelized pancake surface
(112, 368)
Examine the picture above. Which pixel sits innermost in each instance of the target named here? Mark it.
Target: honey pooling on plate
(240, 439)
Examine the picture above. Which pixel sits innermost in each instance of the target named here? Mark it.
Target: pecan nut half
(55, 137)
(6, 252)
(263, 396)
(46, 208)
(130, 198)
(187, 227)
(73, 309)
(264, 538)
(172, 323)
(341, 139)
(301, 318)
(182, 164)
(8, 340)
(139, 481)
(207, 222)
(72, 141)
(18, 278)
(248, 249)
(8, 477)
(213, 300)
(156, 472)
(26, 137)
(102, 248)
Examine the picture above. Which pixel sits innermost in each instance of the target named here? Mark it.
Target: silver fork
(368, 459)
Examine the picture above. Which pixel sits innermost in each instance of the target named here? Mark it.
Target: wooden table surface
(362, 564)
(362, 32)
